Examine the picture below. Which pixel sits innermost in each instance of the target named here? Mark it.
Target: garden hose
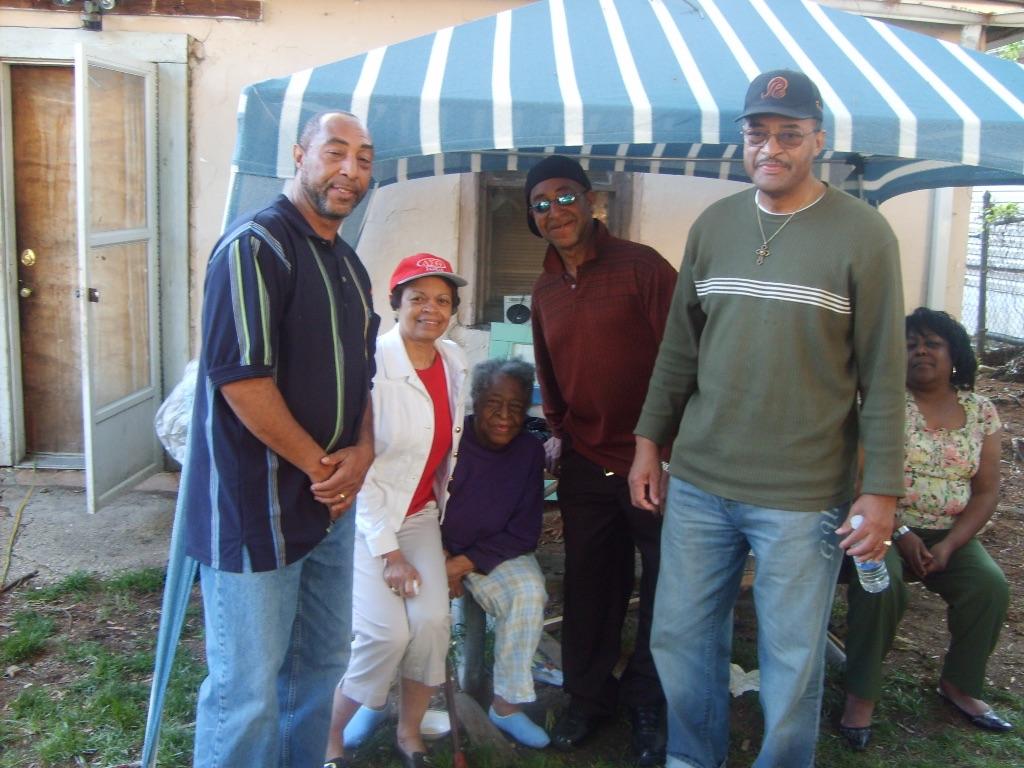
(9, 550)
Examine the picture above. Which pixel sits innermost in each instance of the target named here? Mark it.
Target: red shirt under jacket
(433, 379)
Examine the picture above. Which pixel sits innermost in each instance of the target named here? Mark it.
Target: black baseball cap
(782, 92)
(553, 167)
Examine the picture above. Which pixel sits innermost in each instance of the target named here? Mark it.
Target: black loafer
(856, 738)
(648, 735)
(571, 728)
(990, 721)
(987, 721)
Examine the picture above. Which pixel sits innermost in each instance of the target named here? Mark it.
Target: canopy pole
(986, 224)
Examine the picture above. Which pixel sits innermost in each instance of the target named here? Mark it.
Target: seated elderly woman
(490, 530)
(400, 590)
(952, 484)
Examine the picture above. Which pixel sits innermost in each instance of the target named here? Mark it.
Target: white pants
(392, 633)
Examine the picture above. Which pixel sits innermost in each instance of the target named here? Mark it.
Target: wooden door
(43, 142)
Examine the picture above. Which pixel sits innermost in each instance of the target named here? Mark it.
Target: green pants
(976, 595)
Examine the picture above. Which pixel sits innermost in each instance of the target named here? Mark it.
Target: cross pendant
(761, 253)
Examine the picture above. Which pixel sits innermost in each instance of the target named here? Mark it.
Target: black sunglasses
(543, 206)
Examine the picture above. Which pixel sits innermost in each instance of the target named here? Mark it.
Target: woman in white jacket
(400, 590)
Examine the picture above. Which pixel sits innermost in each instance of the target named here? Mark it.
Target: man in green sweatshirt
(783, 350)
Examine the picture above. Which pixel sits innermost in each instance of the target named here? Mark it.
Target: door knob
(25, 291)
(28, 257)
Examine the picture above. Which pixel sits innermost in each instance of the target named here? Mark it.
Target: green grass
(77, 585)
(94, 714)
(148, 580)
(27, 637)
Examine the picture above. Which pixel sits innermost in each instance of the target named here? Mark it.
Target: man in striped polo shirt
(599, 310)
(281, 439)
(783, 350)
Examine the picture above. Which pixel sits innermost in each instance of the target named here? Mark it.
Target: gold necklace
(762, 252)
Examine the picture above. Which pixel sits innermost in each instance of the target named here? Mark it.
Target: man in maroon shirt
(599, 310)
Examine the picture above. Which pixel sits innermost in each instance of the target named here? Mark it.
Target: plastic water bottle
(873, 575)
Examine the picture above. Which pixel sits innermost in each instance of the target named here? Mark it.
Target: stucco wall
(933, 245)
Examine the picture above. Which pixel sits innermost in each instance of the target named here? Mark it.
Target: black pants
(602, 529)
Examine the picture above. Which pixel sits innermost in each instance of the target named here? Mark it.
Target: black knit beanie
(553, 167)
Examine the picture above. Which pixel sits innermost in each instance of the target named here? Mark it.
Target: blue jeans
(704, 544)
(277, 643)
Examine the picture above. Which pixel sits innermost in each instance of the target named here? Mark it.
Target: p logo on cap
(776, 88)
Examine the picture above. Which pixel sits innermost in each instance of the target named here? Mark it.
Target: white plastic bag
(740, 682)
(175, 413)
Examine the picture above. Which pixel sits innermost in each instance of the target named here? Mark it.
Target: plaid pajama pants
(514, 594)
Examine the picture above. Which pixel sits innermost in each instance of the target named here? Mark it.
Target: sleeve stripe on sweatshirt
(799, 294)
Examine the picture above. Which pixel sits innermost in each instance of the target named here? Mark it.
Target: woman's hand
(457, 567)
(979, 509)
(400, 576)
(915, 554)
(940, 554)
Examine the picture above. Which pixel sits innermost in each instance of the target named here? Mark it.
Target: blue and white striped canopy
(655, 86)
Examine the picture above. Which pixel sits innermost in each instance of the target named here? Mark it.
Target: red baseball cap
(423, 265)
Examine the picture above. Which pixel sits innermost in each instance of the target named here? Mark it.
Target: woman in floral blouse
(951, 474)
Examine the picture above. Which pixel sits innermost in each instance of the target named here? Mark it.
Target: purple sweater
(497, 500)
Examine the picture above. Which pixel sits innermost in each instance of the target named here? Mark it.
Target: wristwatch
(900, 532)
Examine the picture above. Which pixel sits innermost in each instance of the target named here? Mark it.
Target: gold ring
(341, 496)
(887, 542)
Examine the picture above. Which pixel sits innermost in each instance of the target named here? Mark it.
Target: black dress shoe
(648, 735)
(856, 738)
(571, 728)
(987, 721)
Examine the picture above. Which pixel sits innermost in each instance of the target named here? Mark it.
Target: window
(511, 256)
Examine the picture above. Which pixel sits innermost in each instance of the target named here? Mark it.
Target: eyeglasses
(758, 137)
(564, 201)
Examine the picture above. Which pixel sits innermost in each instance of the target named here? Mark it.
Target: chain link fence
(993, 299)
